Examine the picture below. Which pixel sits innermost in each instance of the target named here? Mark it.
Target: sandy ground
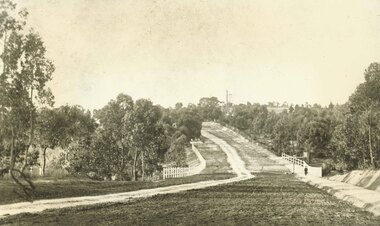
(233, 158)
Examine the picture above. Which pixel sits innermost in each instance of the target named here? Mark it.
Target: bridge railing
(294, 160)
(298, 166)
(193, 169)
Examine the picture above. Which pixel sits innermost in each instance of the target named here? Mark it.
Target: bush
(327, 166)
(7, 176)
(58, 173)
(4, 171)
(341, 166)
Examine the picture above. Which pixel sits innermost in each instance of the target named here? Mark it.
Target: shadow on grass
(76, 187)
(267, 199)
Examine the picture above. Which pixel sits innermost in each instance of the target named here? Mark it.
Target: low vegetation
(50, 188)
(341, 137)
(268, 199)
(124, 140)
(131, 140)
(216, 159)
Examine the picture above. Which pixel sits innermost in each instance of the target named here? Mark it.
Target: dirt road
(260, 160)
(272, 197)
(233, 158)
(267, 199)
(255, 158)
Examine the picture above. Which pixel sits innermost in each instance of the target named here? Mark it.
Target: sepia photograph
(189, 112)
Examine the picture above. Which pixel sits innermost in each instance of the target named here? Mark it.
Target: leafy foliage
(349, 133)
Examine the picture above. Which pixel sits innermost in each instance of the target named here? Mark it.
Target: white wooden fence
(297, 166)
(294, 160)
(194, 168)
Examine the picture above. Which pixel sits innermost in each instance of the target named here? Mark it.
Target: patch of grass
(268, 199)
(190, 155)
(255, 158)
(74, 187)
(216, 159)
(217, 168)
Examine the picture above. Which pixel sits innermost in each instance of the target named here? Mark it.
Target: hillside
(369, 179)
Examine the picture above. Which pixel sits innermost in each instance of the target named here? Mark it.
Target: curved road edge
(237, 165)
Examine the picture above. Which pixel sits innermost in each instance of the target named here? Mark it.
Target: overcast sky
(180, 51)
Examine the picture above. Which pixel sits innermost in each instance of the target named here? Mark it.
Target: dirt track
(270, 198)
(267, 199)
(233, 159)
(255, 158)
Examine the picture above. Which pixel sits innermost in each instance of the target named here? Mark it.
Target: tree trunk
(4, 48)
(31, 122)
(44, 162)
(293, 147)
(11, 161)
(142, 165)
(134, 171)
(122, 163)
(308, 153)
(370, 146)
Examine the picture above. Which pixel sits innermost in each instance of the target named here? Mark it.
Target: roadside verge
(358, 196)
(26, 207)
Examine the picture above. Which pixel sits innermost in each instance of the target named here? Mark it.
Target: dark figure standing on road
(305, 170)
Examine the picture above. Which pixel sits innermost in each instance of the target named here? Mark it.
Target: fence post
(174, 172)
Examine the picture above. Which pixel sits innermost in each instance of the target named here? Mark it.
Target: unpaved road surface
(216, 159)
(233, 159)
(358, 196)
(41, 205)
(237, 164)
(267, 199)
(255, 158)
(260, 160)
(272, 197)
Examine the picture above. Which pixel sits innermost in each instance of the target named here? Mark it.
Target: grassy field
(256, 158)
(190, 155)
(74, 187)
(268, 199)
(216, 159)
(217, 168)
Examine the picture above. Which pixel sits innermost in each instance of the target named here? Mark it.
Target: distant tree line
(348, 134)
(131, 139)
(135, 138)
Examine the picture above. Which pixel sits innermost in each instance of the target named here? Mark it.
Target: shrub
(4, 171)
(341, 166)
(327, 166)
(58, 173)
